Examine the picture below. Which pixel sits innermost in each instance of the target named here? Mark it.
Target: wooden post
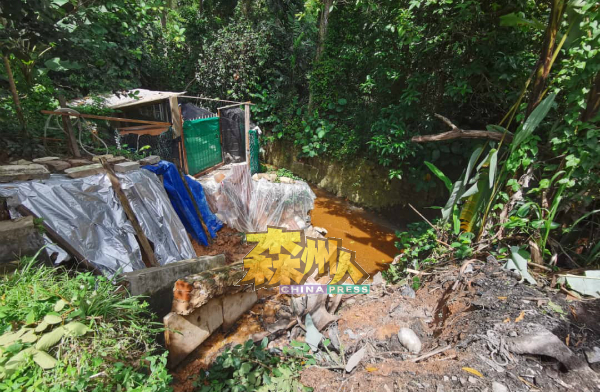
(66, 120)
(54, 236)
(15, 96)
(144, 243)
(176, 116)
(247, 128)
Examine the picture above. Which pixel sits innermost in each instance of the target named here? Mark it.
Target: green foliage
(283, 172)
(252, 367)
(60, 331)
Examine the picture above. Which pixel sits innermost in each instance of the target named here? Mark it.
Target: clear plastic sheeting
(251, 206)
(87, 213)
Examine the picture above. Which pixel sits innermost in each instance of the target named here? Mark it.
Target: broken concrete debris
(33, 171)
(592, 355)
(126, 167)
(45, 159)
(99, 158)
(19, 237)
(150, 160)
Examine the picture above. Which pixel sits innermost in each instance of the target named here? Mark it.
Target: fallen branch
(431, 353)
(457, 133)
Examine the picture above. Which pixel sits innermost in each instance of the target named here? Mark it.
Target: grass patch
(62, 331)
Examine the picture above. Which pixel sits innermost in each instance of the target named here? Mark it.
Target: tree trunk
(545, 61)
(15, 96)
(593, 101)
(247, 8)
(323, 24)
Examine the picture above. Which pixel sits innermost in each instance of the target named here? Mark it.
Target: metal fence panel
(202, 144)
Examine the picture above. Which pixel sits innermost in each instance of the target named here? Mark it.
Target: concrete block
(20, 162)
(115, 160)
(126, 167)
(19, 237)
(76, 162)
(151, 160)
(157, 282)
(56, 166)
(235, 305)
(97, 158)
(183, 334)
(9, 173)
(45, 159)
(84, 171)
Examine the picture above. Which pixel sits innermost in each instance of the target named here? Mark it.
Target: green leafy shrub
(75, 332)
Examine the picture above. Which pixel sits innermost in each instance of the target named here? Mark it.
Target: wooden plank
(236, 104)
(143, 240)
(130, 120)
(247, 128)
(149, 131)
(212, 99)
(140, 127)
(54, 236)
(68, 127)
(176, 116)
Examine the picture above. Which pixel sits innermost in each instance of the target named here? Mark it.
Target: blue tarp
(183, 204)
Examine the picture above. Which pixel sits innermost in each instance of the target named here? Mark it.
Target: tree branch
(457, 133)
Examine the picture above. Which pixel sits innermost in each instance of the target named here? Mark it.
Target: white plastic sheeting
(251, 206)
(87, 213)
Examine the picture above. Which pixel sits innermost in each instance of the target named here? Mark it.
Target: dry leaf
(502, 298)
(567, 339)
(520, 317)
(370, 369)
(472, 371)
(507, 320)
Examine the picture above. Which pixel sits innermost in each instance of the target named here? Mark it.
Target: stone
(446, 378)
(407, 291)
(19, 237)
(21, 162)
(472, 380)
(410, 340)
(355, 359)
(184, 333)
(592, 355)
(126, 167)
(76, 162)
(498, 387)
(151, 160)
(57, 166)
(286, 180)
(45, 159)
(219, 177)
(235, 305)
(377, 279)
(113, 161)
(156, 283)
(97, 158)
(84, 171)
(34, 171)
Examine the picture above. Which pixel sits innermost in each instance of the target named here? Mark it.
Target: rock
(468, 269)
(407, 291)
(255, 177)
(355, 359)
(410, 340)
(463, 381)
(97, 158)
(57, 166)
(76, 162)
(286, 180)
(351, 301)
(151, 160)
(115, 160)
(84, 171)
(454, 378)
(45, 159)
(20, 162)
(472, 380)
(126, 167)
(440, 388)
(592, 355)
(270, 177)
(446, 378)
(377, 279)
(19, 237)
(321, 230)
(498, 387)
(9, 173)
(351, 334)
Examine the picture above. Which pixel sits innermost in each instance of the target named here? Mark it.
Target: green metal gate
(254, 151)
(202, 143)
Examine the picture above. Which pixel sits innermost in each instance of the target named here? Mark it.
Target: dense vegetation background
(346, 79)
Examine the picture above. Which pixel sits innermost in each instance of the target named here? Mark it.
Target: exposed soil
(228, 242)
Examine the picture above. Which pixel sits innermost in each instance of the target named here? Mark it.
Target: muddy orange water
(364, 232)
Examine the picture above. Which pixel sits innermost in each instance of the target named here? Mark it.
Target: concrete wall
(362, 182)
(157, 282)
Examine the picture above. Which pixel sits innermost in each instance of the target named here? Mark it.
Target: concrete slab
(76, 162)
(19, 237)
(235, 305)
(56, 166)
(84, 171)
(115, 160)
(151, 160)
(97, 158)
(9, 173)
(126, 167)
(184, 333)
(45, 159)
